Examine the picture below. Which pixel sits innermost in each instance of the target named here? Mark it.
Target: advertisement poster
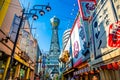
(86, 8)
(77, 38)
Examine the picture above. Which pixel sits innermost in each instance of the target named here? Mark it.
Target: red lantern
(118, 63)
(92, 72)
(115, 65)
(109, 66)
(104, 67)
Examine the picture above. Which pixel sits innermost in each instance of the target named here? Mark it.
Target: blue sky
(65, 10)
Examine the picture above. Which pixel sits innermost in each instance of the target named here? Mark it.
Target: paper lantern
(115, 65)
(109, 66)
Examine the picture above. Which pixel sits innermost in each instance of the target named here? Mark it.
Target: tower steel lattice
(54, 52)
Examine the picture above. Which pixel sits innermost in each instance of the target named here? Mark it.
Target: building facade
(106, 48)
(24, 58)
(66, 36)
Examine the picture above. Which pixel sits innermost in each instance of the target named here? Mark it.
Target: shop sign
(81, 71)
(116, 4)
(86, 8)
(114, 35)
(14, 27)
(65, 56)
(43, 61)
(104, 16)
(77, 40)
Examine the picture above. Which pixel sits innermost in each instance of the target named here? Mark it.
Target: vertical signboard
(77, 38)
(43, 61)
(86, 8)
(104, 16)
(14, 28)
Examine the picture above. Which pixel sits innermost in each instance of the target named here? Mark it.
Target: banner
(14, 28)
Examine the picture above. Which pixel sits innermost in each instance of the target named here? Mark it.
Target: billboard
(86, 8)
(104, 16)
(77, 42)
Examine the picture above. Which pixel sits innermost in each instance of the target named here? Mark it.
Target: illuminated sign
(86, 8)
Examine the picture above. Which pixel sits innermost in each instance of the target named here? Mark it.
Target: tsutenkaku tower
(54, 51)
(54, 47)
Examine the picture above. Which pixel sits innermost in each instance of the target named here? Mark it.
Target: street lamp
(35, 17)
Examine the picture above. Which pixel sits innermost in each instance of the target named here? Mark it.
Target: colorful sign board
(114, 35)
(4, 4)
(86, 8)
(77, 41)
(104, 16)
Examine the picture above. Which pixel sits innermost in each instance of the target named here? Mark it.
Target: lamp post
(35, 17)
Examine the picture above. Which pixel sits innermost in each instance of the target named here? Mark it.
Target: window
(1, 3)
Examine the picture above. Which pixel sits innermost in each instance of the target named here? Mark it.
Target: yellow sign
(3, 9)
(65, 56)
